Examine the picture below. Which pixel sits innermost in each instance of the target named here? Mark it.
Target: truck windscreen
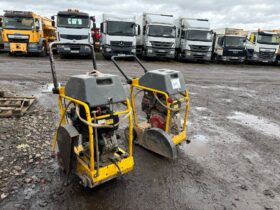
(197, 35)
(161, 31)
(232, 41)
(121, 28)
(72, 21)
(268, 39)
(25, 23)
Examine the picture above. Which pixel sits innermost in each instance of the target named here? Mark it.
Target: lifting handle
(51, 45)
(114, 58)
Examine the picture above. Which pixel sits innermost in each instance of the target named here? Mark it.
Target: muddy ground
(233, 161)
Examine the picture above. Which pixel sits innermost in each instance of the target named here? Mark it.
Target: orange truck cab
(26, 33)
(1, 38)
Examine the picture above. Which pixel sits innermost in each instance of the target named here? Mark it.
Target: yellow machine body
(85, 167)
(141, 126)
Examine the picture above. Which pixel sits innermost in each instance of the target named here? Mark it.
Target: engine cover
(157, 120)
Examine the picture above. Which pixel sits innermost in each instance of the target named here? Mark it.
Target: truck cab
(1, 39)
(262, 46)
(73, 26)
(157, 37)
(118, 35)
(229, 45)
(194, 39)
(26, 33)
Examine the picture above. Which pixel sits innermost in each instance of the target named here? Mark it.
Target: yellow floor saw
(92, 106)
(165, 102)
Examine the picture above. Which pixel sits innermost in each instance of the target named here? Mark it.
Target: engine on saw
(107, 138)
(154, 107)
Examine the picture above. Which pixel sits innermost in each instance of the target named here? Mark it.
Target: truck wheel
(107, 57)
(43, 53)
(215, 59)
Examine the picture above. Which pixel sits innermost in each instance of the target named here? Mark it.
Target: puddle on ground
(228, 100)
(258, 123)
(198, 146)
(198, 108)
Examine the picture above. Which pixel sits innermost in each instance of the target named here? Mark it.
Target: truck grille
(18, 40)
(199, 48)
(72, 37)
(266, 55)
(75, 47)
(198, 56)
(161, 44)
(121, 44)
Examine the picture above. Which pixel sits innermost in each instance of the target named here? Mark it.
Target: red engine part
(157, 121)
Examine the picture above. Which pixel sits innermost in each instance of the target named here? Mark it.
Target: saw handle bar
(115, 58)
(51, 45)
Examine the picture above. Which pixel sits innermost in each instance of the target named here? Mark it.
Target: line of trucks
(148, 35)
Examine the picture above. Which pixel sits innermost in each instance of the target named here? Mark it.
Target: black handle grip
(114, 58)
(55, 83)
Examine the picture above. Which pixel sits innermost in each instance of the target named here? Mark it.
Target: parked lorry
(194, 39)
(157, 37)
(229, 45)
(118, 35)
(262, 46)
(278, 52)
(27, 32)
(1, 39)
(74, 26)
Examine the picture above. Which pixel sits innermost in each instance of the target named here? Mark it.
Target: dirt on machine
(165, 102)
(92, 106)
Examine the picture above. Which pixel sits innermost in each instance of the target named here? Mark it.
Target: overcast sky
(249, 14)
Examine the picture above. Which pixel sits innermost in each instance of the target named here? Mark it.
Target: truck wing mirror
(101, 27)
(94, 25)
(53, 23)
(52, 17)
(138, 30)
(92, 18)
(37, 28)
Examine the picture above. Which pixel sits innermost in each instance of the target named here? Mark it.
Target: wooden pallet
(15, 106)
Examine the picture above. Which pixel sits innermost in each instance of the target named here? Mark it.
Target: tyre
(43, 52)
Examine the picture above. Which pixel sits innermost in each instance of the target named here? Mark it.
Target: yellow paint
(18, 47)
(86, 166)
(176, 138)
(46, 32)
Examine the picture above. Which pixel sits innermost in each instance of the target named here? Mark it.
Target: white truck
(157, 36)
(262, 46)
(118, 35)
(194, 39)
(229, 45)
(74, 26)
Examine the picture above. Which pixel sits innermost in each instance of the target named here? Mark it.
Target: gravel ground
(232, 163)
